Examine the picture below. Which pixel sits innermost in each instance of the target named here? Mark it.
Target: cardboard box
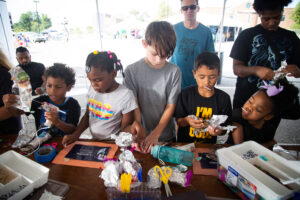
(256, 172)
(27, 175)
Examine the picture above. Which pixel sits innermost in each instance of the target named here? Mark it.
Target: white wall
(6, 39)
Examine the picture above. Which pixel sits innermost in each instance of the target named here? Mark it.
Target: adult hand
(9, 100)
(265, 73)
(195, 123)
(291, 70)
(150, 141)
(214, 131)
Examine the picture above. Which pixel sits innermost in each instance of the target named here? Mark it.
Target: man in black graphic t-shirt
(259, 51)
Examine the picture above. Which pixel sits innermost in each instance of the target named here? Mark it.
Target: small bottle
(172, 155)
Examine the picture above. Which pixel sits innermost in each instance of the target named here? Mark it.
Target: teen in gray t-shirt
(154, 89)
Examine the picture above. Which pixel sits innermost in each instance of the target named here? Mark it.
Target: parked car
(39, 38)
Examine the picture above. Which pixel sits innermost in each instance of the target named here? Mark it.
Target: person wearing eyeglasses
(193, 38)
(259, 51)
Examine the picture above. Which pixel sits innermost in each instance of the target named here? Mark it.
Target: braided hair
(105, 60)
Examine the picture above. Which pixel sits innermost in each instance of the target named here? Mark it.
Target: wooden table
(85, 182)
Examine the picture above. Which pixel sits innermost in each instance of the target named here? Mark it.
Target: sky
(78, 11)
(83, 12)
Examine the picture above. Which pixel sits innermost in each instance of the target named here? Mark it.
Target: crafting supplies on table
(26, 175)
(254, 171)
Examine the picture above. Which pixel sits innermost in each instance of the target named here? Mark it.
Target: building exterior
(6, 39)
(245, 14)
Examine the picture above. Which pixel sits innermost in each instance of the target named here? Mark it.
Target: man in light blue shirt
(193, 38)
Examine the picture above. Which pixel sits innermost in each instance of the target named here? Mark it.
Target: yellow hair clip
(95, 52)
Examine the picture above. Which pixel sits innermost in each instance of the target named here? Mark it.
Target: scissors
(164, 177)
(53, 144)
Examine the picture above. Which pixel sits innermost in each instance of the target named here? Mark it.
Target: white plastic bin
(253, 162)
(29, 174)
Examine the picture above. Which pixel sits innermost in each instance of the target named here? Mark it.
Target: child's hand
(68, 139)
(214, 131)
(150, 141)
(138, 132)
(137, 146)
(9, 100)
(52, 116)
(195, 123)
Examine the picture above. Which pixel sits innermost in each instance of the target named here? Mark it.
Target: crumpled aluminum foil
(110, 174)
(215, 121)
(177, 176)
(152, 181)
(127, 155)
(278, 74)
(124, 139)
(131, 168)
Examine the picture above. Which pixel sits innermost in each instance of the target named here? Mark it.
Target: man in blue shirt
(193, 38)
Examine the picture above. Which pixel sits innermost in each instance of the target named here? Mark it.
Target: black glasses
(192, 7)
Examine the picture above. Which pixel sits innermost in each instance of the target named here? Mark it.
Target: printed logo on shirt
(100, 110)
(187, 47)
(262, 54)
(204, 113)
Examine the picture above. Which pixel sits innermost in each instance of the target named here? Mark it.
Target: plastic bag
(22, 88)
(27, 133)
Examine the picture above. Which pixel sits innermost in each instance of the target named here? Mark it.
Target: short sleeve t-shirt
(263, 135)
(257, 47)
(71, 107)
(106, 111)
(154, 89)
(190, 102)
(35, 72)
(190, 43)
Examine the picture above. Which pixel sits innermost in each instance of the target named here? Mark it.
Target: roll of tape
(45, 154)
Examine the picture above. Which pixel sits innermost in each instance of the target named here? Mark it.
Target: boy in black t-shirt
(203, 101)
(59, 80)
(258, 51)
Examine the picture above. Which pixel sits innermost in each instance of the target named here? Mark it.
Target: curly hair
(162, 36)
(59, 70)
(287, 101)
(261, 5)
(105, 60)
